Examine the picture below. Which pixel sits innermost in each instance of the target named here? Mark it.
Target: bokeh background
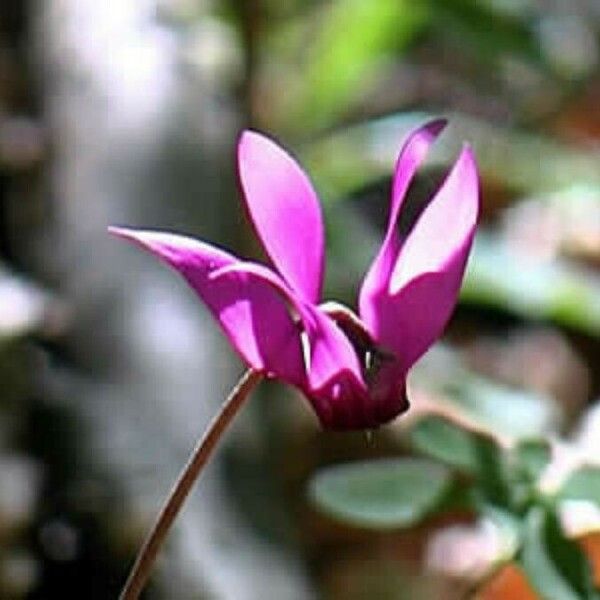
(128, 112)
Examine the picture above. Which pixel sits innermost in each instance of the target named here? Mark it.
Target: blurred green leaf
(555, 290)
(438, 438)
(531, 458)
(487, 33)
(382, 494)
(508, 411)
(527, 461)
(469, 451)
(497, 277)
(583, 484)
(351, 42)
(554, 565)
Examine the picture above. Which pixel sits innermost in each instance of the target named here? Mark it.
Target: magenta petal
(337, 390)
(426, 278)
(411, 157)
(330, 351)
(285, 211)
(387, 389)
(335, 386)
(252, 314)
(445, 228)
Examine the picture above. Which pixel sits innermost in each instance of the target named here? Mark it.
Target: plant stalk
(148, 553)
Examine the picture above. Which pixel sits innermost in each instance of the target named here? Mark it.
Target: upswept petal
(444, 228)
(411, 157)
(252, 314)
(426, 278)
(285, 211)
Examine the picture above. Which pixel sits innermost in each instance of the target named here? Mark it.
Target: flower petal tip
(138, 237)
(254, 147)
(116, 230)
(435, 126)
(246, 140)
(285, 211)
(466, 166)
(125, 233)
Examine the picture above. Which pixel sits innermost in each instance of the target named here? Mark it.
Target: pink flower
(353, 370)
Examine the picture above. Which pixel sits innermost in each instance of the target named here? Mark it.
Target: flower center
(371, 356)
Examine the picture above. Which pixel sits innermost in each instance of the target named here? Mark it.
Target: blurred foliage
(583, 484)
(501, 483)
(333, 56)
(536, 289)
(556, 567)
(382, 494)
(351, 42)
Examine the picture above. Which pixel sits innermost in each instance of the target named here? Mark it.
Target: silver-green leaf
(381, 494)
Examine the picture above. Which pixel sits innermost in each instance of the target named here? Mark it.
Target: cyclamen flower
(351, 368)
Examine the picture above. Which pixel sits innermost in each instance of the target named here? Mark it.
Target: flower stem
(146, 557)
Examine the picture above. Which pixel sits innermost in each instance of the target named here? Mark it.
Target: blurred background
(128, 113)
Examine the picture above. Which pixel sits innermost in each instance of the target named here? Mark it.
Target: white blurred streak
(130, 55)
(587, 435)
(22, 306)
(565, 458)
(466, 551)
(582, 449)
(120, 104)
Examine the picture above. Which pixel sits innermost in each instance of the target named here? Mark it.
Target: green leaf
(382, 494)
(583, 484)
(531, 458)
(554, 290)
(351, 43)
(555, 566)
(469, 22)
(444, 440)
(440, 439)
(469, 451)
(527, 461)
(509, 412)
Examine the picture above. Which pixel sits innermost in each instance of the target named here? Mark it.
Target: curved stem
(146, 557)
